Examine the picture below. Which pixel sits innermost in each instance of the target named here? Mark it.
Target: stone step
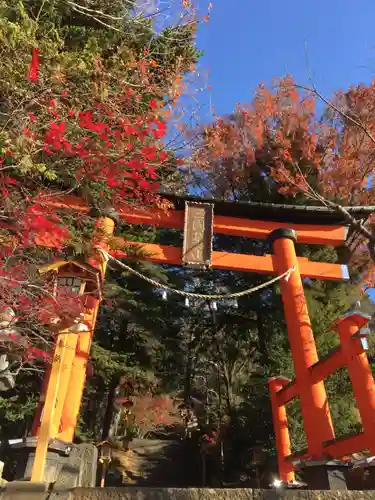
(133, 493)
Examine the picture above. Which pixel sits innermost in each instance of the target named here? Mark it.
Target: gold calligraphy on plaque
(197, 249)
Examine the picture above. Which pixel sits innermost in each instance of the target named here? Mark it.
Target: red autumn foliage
(42, 227)
(23, 295)
(109, 150)
(34, 66)
(118, 154)
(151, 412)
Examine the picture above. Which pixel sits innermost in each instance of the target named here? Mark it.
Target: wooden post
(77, 381)
(50, 416)
(39, 410)
(73, 400)
(102, 475)
(66, 378)
(63, 385)
(280, 425)
(105, 460)
(314, 404)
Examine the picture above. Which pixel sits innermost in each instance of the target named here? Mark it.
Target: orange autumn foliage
(283, 138)
(282, 132)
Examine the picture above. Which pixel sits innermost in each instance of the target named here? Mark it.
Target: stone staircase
(155, 463)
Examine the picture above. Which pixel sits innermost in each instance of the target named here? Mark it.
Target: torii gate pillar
(314, 403)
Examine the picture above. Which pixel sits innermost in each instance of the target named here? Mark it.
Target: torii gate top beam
(295, 214)
(313, 225)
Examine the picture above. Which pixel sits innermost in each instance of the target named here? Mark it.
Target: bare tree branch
(355, 122)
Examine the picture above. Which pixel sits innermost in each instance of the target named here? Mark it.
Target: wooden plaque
(198, 230)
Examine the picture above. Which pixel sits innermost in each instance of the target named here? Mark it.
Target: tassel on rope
(34, 66)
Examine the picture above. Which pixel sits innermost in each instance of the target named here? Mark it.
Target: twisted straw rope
(203, 296)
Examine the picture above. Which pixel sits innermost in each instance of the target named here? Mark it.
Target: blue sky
(249, 41)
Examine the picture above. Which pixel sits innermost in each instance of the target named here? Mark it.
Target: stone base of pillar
(22, 452)
(369, 479)
(362, 474)
(20, 490)
(325, 475)
(79, 468)
(67, 465)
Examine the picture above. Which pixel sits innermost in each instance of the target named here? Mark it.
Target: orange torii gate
(350, 353)
(280, 224)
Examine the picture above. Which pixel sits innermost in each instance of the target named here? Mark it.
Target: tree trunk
(189, 370)
(113, 430)
(228, 390)
(262, 339)
(109, 409)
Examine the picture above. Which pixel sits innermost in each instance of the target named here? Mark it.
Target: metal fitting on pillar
(109, 212)
(112, 214)
(289, 234)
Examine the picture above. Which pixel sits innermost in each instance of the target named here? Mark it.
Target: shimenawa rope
(203, 296)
